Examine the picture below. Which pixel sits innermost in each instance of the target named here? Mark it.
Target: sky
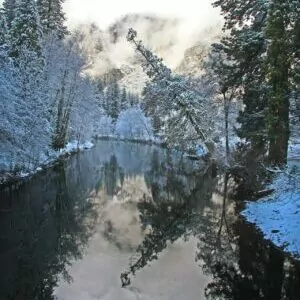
(104, 12)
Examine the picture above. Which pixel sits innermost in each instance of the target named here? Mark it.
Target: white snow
(278, 215)
(75, 145)
(133, 124)
(294, 150)
(24, 174)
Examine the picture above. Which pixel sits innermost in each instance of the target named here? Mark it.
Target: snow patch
(294, 150)
(75, 145)
(278, 215)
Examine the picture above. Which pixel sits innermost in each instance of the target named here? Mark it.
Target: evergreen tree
(182, 110)
(222, 71)
(263, 43)
(112, 96)
(52, 17)
(278, 66)
(25, 30)
(3, 27)
(246, 47)
(123, 102)
(9, 7)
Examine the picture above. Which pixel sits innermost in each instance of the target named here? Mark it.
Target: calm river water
(160, 220)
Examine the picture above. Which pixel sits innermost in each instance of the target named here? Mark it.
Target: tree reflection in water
(40, 237)
(45, 225)
(187, 203)
(171, 212)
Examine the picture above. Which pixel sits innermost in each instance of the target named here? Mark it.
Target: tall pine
(278, 67)
(246, 47)
(25, 30)
(9, 7)
(52, 17)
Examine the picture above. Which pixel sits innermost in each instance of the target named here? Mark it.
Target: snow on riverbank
(45, 161)
(75, 146)
(278, 215)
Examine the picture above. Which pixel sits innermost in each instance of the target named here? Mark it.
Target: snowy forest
(250, 76)
(47, 100)
(150, 133)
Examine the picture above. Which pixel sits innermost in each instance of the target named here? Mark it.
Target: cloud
(198, 12)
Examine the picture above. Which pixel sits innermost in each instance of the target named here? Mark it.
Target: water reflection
(242, 264)
(43, 226)
(70, 232)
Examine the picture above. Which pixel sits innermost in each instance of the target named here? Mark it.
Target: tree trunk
(278, 66)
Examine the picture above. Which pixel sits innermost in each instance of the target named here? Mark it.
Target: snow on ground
(294, 149)
(278, 215)
(279, 220)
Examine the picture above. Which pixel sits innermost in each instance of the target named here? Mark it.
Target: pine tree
(3, 27)
(52, 17)
(278, 66)
(263, 43)
(183, 110)
(246, 47)
(123, 100)
(9, 7)
(25, 31)
(112, 96)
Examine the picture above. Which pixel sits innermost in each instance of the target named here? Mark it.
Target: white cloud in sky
(104, 12)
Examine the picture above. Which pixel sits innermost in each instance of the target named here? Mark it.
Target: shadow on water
(46, 224)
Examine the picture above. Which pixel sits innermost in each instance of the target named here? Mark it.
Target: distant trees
(133, 124)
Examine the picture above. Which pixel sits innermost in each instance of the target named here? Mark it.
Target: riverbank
(11, 177)
(277, 216)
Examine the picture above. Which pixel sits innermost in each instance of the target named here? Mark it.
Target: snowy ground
(278, 216)
(279, 220)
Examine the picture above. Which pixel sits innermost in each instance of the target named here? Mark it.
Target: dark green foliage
(278, 66)
(263, 44)
(123, 100)
(112, 99)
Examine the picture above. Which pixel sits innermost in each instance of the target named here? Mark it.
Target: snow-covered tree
(123, 100)
(262, 40)
(52, 17)
(63, 82)
(220, 74)
(25, 30)
(87, 118)
(112, 99)
(133, 124)
(9, 7)
(2, 25)
(182, 110)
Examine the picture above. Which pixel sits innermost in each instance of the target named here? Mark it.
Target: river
(155, 217)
